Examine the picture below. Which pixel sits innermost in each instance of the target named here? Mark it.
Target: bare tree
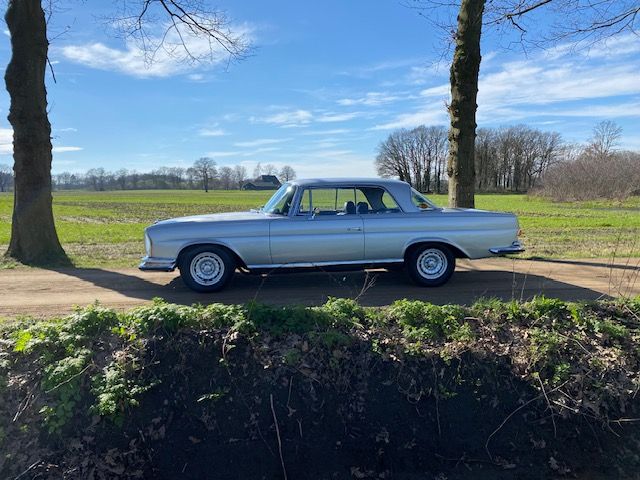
(257, 171)
(239, 174)
(287, 173)
(33, 234)
(606, 137)
(5, 178)
(225, 175)
(415, 156)
(205, 171)
(121, 177)
(269, 169)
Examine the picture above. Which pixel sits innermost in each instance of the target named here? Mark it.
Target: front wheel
(431, 265)
(206, 268)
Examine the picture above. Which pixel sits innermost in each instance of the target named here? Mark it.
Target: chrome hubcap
(207, 268)
(432, 263)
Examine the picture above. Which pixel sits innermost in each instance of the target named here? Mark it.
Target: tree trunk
(465, 69)
(33, 234)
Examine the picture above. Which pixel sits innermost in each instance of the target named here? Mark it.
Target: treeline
(204, 174)
(507, 159)
(595, 170)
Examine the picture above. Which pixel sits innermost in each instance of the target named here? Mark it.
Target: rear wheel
(431, 265)
(207, 268)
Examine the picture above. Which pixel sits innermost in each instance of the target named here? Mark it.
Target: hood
(214, 217)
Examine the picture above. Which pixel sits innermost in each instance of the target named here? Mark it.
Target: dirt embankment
(495, 391)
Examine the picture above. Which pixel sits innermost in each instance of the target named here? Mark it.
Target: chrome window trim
(300, 192)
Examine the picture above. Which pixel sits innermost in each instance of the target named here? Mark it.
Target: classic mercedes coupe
(338, 223)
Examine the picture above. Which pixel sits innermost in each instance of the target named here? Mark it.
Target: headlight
(147, 244)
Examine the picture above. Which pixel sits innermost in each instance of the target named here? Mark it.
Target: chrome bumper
(157, 264)
(515, 247)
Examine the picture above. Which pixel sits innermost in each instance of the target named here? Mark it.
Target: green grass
(105, 228)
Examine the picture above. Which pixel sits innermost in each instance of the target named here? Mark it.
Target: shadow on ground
(371, 288)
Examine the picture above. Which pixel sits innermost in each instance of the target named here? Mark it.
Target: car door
(386, 227)
(319, 230)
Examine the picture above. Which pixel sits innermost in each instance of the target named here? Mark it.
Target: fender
(414, 241)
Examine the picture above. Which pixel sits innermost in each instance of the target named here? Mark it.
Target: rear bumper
(157, 264)
(515, 247)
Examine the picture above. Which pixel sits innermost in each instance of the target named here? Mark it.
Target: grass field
(105, 228)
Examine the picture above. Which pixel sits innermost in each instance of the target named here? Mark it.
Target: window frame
(295, 212)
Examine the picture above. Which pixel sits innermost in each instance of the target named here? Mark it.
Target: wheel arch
(185, 248)
(455, 249)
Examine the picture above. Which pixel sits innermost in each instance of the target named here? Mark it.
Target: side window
(328, 201)
(305, 203)
(389, 202)
(375, 200)
(345, 200)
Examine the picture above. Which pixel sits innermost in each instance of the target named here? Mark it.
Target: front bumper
(515, 247)
(157, 264)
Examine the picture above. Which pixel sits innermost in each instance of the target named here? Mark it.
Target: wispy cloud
(288, 118)
(337, 117)
(171, 60)
(212, 132)
(63, 149)
(370, 99)
(260, 142)
(221, 154)
(563, 81)
(335, 131)
(6, 141)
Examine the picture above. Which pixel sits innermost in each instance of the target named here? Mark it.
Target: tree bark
(33, 234)
(465, 69)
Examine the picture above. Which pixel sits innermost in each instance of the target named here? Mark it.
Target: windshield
(420, 201)
(280, 202)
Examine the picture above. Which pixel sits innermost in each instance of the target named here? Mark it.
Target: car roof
(305, 182)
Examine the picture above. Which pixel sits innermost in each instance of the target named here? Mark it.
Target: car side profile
(341, 223)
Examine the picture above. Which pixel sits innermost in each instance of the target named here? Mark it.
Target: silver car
(346, 222)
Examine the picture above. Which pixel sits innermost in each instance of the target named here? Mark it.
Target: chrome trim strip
(326, 264)
(157, 264)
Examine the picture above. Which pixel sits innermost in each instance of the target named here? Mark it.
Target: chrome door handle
(354, 229)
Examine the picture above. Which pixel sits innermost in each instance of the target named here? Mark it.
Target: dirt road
(46, 293)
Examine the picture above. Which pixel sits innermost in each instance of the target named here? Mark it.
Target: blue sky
(326, 83)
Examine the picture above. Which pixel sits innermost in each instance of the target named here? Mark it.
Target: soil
(46, 293)
(337, 414)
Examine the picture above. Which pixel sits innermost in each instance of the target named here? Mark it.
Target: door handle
(354, 229)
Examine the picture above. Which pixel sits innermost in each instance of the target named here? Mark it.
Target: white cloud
(289, 118)
(67, 129)
(434, 114)
(260, 142)
(197, 77)
(564, 81)
(335, 131)
(370, 99)
(63, 149)
(171, 59)
(6, 141)
(259, 151)
(221, 154)
(211, 132)
(337, 117)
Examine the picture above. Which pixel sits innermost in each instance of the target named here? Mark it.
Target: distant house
(263, 182)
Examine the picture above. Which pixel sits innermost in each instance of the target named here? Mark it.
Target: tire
(431, 265)
(207, 268)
